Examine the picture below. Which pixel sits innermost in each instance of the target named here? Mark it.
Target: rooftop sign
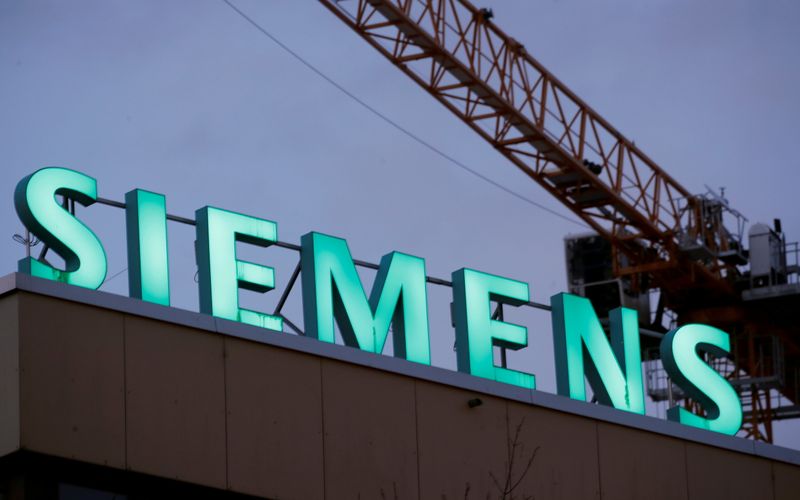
(333, 295)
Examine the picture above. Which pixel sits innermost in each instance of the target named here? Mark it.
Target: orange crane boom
(488, 79)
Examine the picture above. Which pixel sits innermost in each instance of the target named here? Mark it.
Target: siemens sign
(333, 295)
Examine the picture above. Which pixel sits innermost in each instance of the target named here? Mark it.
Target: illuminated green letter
(148, 266)
(679, 353)
(38, 209)
(582, 349)
(221, 274)
(477, 333)
(332, 291)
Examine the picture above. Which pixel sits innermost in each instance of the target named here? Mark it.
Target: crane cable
(396, 125)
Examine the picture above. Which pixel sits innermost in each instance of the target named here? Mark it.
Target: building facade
(105, 397)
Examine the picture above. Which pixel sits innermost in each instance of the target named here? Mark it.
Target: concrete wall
(112, 388)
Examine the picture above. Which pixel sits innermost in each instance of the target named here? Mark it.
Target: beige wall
(111, 388)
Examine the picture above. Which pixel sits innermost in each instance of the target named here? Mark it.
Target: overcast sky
(185, 98)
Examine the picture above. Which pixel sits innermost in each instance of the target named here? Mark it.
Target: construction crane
(659, 235)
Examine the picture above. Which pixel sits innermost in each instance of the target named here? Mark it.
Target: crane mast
(661, 236)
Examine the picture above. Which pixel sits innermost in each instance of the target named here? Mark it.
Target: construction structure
(687, 248)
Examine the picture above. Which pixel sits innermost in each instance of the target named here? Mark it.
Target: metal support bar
(291, 246)
(287, 290)
(293, 326)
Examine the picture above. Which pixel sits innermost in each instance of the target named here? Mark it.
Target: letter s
(679, 353)
(40, 212)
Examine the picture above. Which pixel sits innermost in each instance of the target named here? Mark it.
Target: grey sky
(187, 99)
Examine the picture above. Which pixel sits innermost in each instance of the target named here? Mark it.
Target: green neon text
(680, 355)
(334, 298)
(41, 213)
(148, 262)
(582, 351)
(332, 291)
(221, 274)
(477, 333)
